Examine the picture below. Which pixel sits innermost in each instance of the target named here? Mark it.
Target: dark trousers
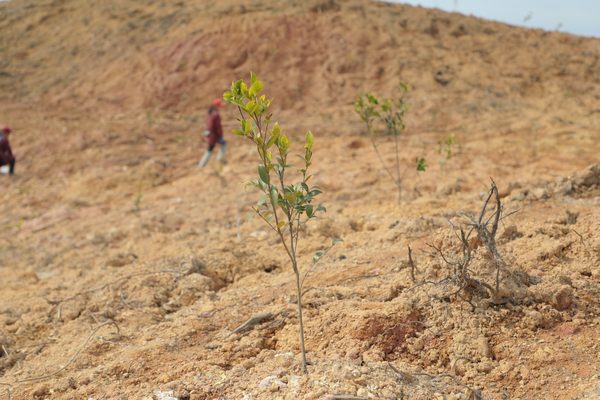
(11, 166)
(220, 140)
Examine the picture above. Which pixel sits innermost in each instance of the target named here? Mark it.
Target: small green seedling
(386, 117)
(137, 199)
(421, 164)
(285, 207)
(446, 147)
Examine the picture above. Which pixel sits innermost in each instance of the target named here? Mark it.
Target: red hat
(6, 129)
(217, 103)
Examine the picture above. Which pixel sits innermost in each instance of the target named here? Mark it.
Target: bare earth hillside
(126, 270)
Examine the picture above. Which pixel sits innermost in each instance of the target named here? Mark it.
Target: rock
(373, 355)
(511, 233)
(485, 366)
(519, 195)
(416, 345)
(41, 392)
(563, 298)
(163, 395)
(588, 177)
(539, 193)
(533, 319)
(458, 366)
(285, 360)
(121, 259)
(443, 77)
(269, 381)
(564, 188)
(483, 347)
(259, 234)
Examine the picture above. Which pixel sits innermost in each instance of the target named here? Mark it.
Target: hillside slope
(108, 220)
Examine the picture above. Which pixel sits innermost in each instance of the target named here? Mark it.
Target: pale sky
(581, 17)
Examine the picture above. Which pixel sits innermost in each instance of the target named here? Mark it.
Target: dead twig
(423, 283)
(73, 357)
(9, 389)
(71, 360)
(580, 237)
(412, 265)
(251, 323)
(487, 235)
(485, 225)
(316, 259)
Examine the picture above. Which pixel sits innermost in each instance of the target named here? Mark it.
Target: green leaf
(274, 195)
(246, 126)
(255, 88)
(275, 132)
(310, 211)
(317, 256)
(281, 224)
(263, 174)
(290, 197)
(372, 99)
(386, 105)
(250, 106)
(266, 214)
(261, 185)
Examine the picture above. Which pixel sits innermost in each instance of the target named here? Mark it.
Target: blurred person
(6, 155)
(214, 134)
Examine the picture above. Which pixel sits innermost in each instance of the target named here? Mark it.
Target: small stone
(269, 381)
(563, 298)
(163, 395)
(483, 347)
(565, 188)
(182, 394)
(533, 319)
(539, 193)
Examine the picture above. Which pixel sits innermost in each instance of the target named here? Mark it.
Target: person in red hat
(214, 134)
(6, 155)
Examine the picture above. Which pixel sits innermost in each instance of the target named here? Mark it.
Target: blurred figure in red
(6, 155)
(214, 134)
